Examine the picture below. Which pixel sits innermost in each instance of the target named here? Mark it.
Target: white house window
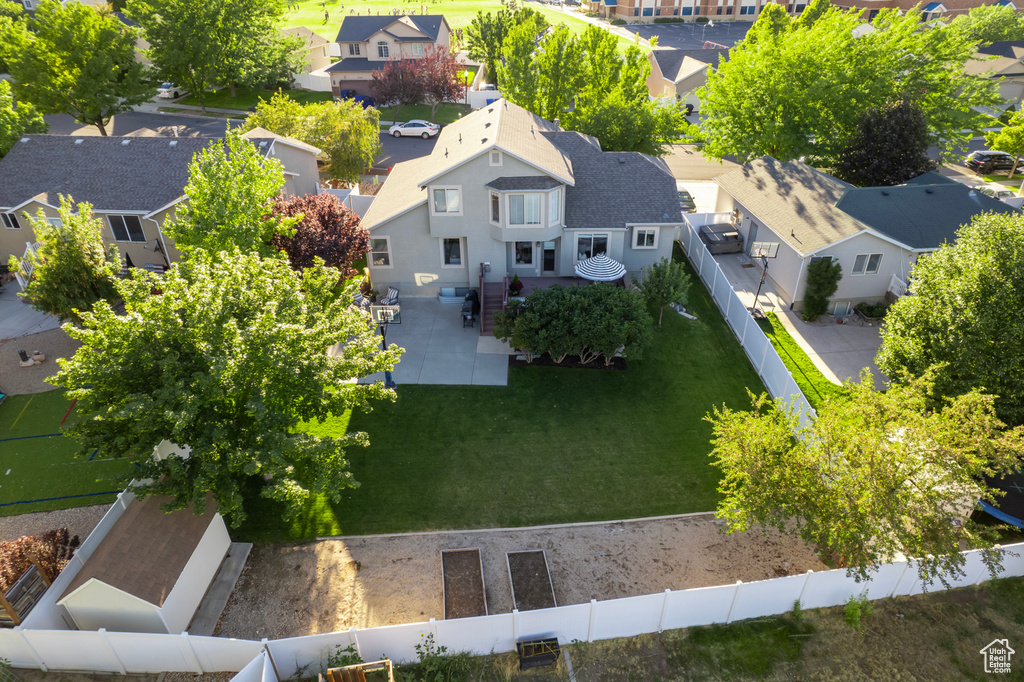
(590, 245)
(451, 252)
(524, 209)
(380, 252)
(323, 50)
(645, 238)
(10, 221)
(417, 49)
(553, 208)
(495, 158)
(56, 222)
(126, 228)
(353, 49)
(867, 264)
(524, 253)
(382, 50)
(28, 4)
(495, 207)
(815, 259)
(446, 200)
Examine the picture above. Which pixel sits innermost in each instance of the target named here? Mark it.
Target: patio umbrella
(600, 268)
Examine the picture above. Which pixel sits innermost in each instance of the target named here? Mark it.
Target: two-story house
(680, 73)
(507, 192)
(133, 183)
(368, 42)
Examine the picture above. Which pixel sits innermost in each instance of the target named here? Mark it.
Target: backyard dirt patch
(463, 584)
(17, 380)
(531, 582)
(368, 581)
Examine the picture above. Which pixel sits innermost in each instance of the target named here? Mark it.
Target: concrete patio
(840, 351)
(439, 350)
(19, 319)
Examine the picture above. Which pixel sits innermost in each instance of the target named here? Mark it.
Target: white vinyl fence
(763, 356)
(268, 661)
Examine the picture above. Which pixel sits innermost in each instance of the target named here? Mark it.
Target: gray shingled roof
(796, 201)
(355, 64)
(356, 29)
(670, 60)
(1004, 48)
(614, 189)
(920, 216)
(144, 175)
(538, 182)
(931, 178)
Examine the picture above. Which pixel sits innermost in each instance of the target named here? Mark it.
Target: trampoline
(1010, 507)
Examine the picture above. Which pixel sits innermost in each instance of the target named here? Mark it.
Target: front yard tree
(328, 230)
(802, 92)
(72, 268)
(231, 191)
(16, 120)
(486, 35)
(964, 316)
(889, 147)
(442, 80)
(228, 360)
(254, 52)
(397, 84)
(1009, 139)
(344, 131)
(663, 283)
(75, 59)
(882, 474)
(990, 23)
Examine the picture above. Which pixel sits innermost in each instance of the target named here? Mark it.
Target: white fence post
(728, 617)
(807, 579)
(515, 625)
(354, 638)
(32, 649)
(593, 617)
(664, 610)
(896, 586)
(433, 629)
(110, 648)
(192, 654)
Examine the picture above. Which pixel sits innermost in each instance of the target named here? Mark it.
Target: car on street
(984, 162)
(415, 128)
(686, 202)
(170, 91)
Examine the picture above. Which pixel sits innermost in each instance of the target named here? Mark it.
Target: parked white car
(415, 128)
(1000, 192)
(170, 91)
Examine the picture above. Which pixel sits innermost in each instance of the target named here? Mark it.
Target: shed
(151, 570)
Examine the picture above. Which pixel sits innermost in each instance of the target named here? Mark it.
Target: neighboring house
(680, 73)
(748, 10)
(133, 183)
(796, 214)
(141, 45)
(315, 50)
(507, 192)
(151, 570)
(1003, 62)
(367, 42)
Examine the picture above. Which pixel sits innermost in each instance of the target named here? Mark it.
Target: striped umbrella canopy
(600, 268)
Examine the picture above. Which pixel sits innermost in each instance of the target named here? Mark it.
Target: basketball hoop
(386, 314)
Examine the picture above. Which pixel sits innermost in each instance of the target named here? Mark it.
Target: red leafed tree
(442, 77)
(397, 84)
(328, 229)
(52, 550)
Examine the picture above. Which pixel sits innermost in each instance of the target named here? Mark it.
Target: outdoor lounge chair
(361, 301)
(391, 298)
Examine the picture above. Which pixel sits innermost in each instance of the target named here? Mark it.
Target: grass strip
(814, 385)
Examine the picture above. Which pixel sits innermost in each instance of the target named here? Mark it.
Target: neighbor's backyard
(556, 445)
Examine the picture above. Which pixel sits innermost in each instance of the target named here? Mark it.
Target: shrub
(823, 277)
(702, 20)
(617, 22)
(670, 20)
(873, 309)
(856, 609)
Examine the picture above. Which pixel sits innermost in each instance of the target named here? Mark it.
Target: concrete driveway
(840, 351)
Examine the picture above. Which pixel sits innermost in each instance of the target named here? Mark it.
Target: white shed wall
(181, 604)
(98, 605)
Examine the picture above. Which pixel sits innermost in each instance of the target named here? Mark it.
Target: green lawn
(38, 470)
(446, 112)
(816, 388)
(556, 445)
(458, 13)
(246, 99)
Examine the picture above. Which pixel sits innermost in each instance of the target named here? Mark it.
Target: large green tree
(889, 147)
(1009, 138)
(254, 53)
(990, 23)
(10, 12)
(228, 360)
(75, 59)
(16, 120)
(231, 193)
(72, 267)
(802, 91)
(876, 476)
(963, 316)
(348, 134)
(663, 283)
(486, 34)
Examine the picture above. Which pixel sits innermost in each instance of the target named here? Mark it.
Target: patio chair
(391, 298)
(361, 301)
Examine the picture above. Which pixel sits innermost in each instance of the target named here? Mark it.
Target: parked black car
(686, 202)
(984, 162)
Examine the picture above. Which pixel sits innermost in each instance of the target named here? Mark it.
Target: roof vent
(885, 192)
(263, 144)
(487, 124)
(622, 159)
(460, 138)
(78, 141)
(929, 190)
(174, 143)
(24, 139)
(483, 140)
(491, 110)
(125, 143)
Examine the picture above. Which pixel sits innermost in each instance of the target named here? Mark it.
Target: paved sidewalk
(20, 319)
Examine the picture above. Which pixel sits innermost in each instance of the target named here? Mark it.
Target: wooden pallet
(357, 672)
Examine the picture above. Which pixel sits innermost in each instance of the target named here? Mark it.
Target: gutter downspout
(799, 276)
